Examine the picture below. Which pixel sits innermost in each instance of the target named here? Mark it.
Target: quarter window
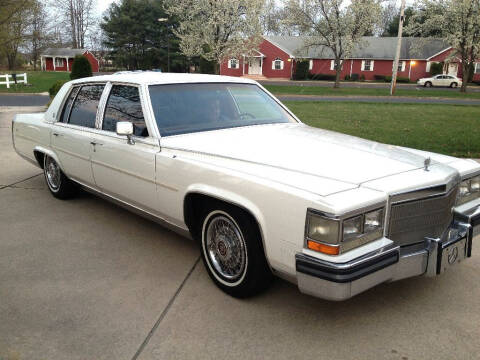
(124, 105)
(68, 105)
(84, 110)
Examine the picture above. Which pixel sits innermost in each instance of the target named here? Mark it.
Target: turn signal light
(323, 248)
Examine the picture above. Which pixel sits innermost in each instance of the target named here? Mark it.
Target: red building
(277, 55)
(61, 59)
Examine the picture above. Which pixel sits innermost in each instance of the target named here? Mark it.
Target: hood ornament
(427, 163)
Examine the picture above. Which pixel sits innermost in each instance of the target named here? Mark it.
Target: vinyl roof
(152, 77)
(370, 48)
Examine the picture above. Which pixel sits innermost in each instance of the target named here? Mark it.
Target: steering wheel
(246, 114)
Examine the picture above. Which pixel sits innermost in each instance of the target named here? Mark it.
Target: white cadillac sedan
(440, 80)
(221, 160)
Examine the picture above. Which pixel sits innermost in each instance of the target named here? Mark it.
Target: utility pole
(399, 46)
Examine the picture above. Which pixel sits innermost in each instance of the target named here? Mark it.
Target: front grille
(412, 221)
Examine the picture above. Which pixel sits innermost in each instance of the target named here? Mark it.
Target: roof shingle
(370, 48)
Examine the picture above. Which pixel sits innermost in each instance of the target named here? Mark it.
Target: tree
(80, 68)
(457, 22)
(138, 40)
(77, 15)
(217, 29)
(391, 28)
(14, 22)
(38, 32)
(336, 25)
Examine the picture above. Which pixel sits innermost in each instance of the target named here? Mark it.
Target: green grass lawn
(447, 129)
(330, 91)
(40, 81)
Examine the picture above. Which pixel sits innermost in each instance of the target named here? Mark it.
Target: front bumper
(340, 281)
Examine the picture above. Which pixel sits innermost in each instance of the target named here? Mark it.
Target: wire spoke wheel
(225, 248)
(52, 174)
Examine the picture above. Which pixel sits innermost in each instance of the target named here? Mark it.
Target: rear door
(72, 134)
(126, 172)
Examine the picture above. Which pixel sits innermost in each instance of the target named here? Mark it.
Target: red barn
(61, 59)
(277, 55)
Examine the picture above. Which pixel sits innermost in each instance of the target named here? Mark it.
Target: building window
(310, 64)
(367, 65)
(233, 63)
(59, 62)
(277, 64)
(401, 66)
(332, 64)
(477, 68)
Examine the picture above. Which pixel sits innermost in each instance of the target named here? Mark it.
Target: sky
(102, 5)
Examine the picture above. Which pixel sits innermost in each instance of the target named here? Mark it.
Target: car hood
(305, 150)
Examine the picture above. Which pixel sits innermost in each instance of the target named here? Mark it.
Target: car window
(123, 104)
(84, 108)
(186, 108)
(68, 105)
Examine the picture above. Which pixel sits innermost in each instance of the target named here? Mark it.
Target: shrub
(436, 68)
(400, 79)
(81, 68)
(362, 77)
(55, 88)
(301, 70)
(355, 77)
(347, 77)
(327, 77)
(379, 77)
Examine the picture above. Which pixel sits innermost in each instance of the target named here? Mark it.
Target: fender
(234, 199)
(50, 153)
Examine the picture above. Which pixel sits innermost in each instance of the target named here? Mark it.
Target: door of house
(255, 66)
(453, 69)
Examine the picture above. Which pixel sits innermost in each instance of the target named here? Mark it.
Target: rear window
(84, 110)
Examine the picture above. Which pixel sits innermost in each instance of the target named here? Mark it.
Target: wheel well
(40, 156)
(193, 204)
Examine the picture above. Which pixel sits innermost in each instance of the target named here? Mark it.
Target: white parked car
(221, 160)
(440, 80)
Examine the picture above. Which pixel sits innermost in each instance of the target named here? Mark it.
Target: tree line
(173, 35)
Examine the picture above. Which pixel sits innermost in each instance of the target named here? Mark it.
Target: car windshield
(187, 108)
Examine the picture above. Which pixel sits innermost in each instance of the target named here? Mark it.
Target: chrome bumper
(334, 281)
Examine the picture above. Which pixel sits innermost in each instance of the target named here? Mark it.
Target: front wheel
(59, 185)
(428, 84)
(232, 251)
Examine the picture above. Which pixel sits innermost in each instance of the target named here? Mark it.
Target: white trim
(438, 53)
(476, 69)
(310, 64)
(332, 64)
(67, 64)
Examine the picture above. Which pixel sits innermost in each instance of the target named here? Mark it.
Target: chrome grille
(412, 221)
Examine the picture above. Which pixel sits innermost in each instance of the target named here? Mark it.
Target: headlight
(468, 190)
(332, 235)
(322, 229)
(352, 227)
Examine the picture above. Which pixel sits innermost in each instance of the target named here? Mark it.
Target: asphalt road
(85, 279)
(23, 100)
(371, 85)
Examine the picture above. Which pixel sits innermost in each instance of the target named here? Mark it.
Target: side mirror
(125, 128)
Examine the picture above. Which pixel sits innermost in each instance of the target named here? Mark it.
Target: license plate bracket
(451, 253)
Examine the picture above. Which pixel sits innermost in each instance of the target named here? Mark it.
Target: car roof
(153, 77)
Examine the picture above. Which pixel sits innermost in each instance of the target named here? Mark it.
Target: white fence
(8, 81)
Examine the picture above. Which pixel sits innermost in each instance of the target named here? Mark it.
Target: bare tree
(38, 31)
(77, 15)
(336, 25)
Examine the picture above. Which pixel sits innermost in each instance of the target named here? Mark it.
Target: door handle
(95, 143)
(56, 134)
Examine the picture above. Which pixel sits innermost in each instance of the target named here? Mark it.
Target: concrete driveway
(84, 279)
